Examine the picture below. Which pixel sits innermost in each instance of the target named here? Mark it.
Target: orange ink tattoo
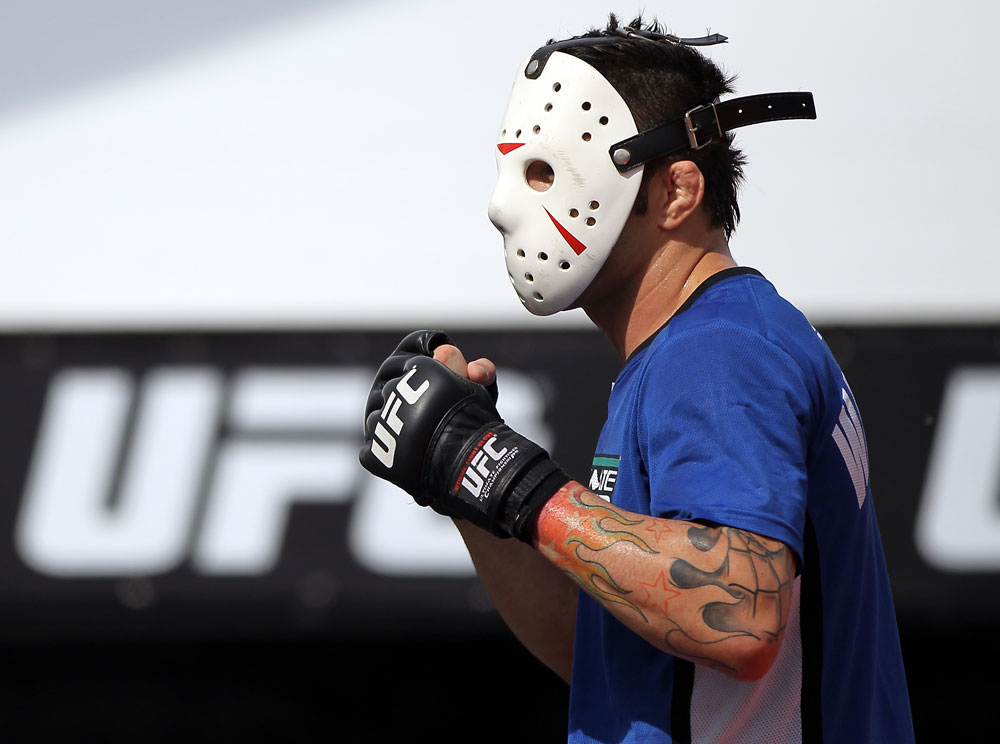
(584, 530)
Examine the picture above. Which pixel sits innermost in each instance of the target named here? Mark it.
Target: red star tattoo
(658, 594)
(659, 527)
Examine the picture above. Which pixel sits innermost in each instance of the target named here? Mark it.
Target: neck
(642, 305)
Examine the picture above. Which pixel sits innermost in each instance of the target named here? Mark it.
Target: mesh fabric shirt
(736, 413)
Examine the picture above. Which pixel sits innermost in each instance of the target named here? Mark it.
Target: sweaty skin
(717, 596)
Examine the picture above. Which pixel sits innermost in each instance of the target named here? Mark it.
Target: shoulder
(739, 331)
(731, 308)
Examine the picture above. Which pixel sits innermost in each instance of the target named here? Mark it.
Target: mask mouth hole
(539, 175)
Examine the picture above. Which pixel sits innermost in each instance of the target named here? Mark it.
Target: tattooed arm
(717, 596)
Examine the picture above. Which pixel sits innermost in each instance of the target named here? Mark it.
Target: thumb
(483, 371)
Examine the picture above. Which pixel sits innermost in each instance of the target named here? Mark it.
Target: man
(734, 584)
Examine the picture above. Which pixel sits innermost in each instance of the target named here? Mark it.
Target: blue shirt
(736, 413)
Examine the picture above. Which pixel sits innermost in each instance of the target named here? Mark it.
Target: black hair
(660, 81)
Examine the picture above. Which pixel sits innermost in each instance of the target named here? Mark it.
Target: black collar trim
(698, 292)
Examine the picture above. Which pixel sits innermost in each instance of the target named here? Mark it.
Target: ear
(680, 189)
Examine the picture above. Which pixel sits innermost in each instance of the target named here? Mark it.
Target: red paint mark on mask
(575, 244)
(506, 147)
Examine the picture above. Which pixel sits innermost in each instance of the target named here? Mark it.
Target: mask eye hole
(539, 175)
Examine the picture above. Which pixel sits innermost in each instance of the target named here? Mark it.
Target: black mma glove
(439, 437)
(416, 343)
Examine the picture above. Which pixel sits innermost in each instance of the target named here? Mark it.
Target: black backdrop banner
(162, 485)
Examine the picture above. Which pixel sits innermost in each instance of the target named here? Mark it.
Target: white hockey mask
(555, 241)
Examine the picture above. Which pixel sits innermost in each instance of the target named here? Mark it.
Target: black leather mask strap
(704, 124)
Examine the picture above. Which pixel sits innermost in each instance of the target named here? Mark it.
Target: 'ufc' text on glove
(439, 437)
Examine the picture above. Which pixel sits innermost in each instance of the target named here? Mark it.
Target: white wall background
(183, 164)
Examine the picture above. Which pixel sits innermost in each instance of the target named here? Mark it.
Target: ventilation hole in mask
(564, 265)
(591, 222)
(604, 121)
(536, 129)
(586, 106)
(518, 134)
(543, 256)
(538, 296)
(503, 133)
(520, 253)
(586, 136)
(548, 106)
(557, 87)
(574, 213)
(595, 205)
(529, 278)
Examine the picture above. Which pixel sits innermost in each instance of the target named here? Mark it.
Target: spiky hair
(660, 81)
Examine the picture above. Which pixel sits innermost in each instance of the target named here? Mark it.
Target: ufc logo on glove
(385, 448)
(449, 448)
(476, 472)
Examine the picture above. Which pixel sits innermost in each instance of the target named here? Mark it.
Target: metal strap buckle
(693, 129)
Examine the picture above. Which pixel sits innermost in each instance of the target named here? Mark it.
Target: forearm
(714, 595)
(535, 599)
(717, 596)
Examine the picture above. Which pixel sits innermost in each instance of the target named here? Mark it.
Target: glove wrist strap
(539, 484)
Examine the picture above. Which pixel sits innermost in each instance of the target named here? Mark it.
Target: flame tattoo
(708, 586)
(586, 530)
